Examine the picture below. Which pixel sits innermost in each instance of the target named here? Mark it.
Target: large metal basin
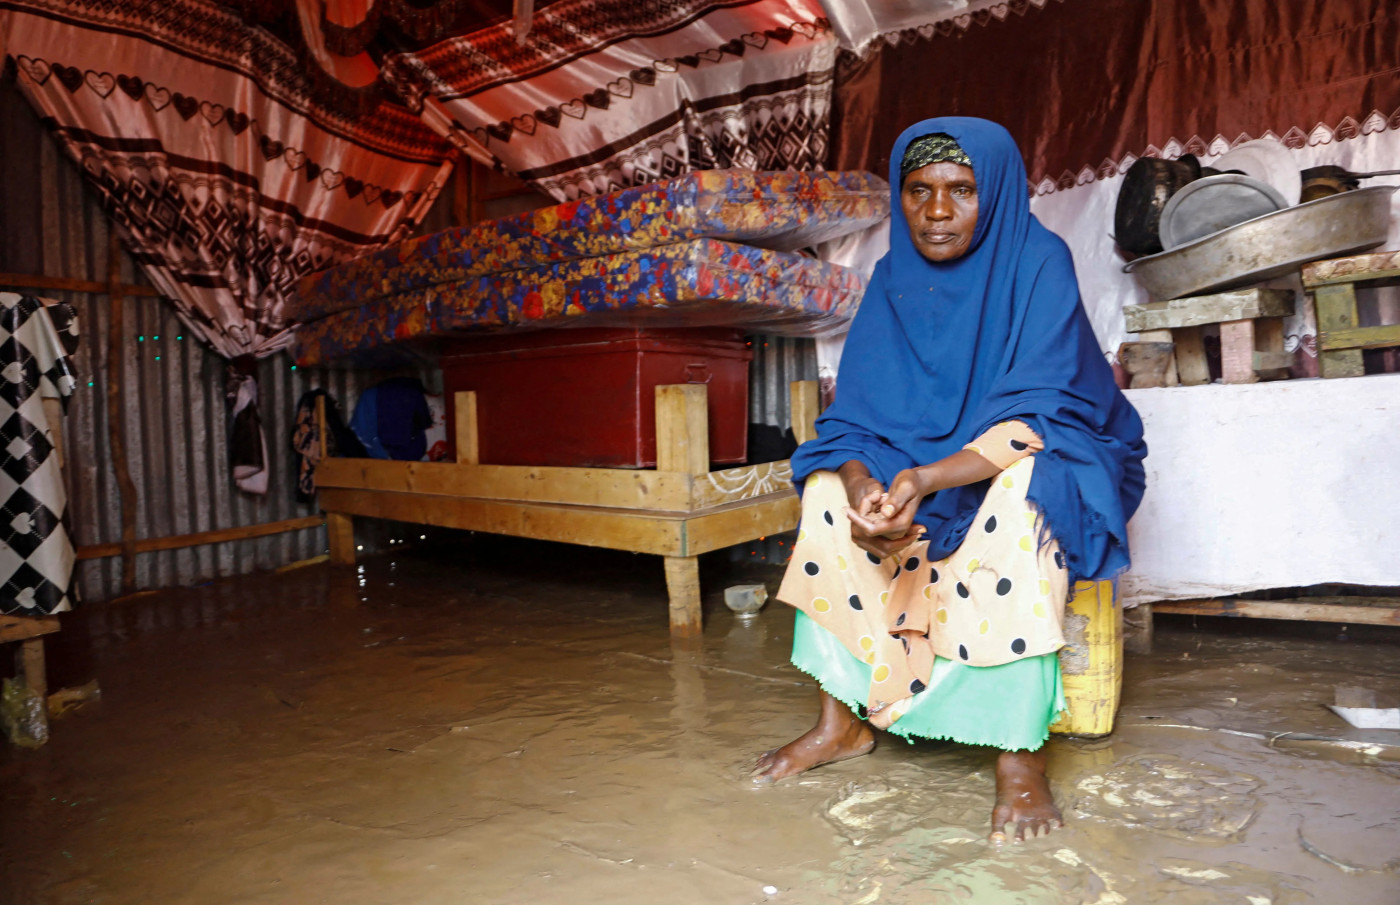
(1269, 246)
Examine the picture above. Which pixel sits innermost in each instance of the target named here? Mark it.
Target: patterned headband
(936, 148)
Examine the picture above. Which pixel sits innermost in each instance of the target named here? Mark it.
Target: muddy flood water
(496, 721)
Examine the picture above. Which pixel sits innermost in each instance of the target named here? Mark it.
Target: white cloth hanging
(37, 339)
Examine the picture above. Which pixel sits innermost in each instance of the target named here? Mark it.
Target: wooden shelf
(1349, 610)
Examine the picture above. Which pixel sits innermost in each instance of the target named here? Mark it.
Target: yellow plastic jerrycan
(1091, 662)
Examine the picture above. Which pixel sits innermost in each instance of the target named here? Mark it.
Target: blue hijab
(940, 352)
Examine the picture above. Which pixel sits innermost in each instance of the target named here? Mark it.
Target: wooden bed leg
(683, 445)
(340, 535)
(683, 586)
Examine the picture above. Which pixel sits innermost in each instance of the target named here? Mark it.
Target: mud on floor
(508, 722)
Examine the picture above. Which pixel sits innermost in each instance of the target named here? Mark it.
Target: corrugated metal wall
(176, 429)
(777, 361)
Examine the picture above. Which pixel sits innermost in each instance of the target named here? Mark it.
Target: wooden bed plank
(617, 529)
(217, 536)
(706, 531)
(22, 628)
(611, 487)
(732, 485)
(618, 488)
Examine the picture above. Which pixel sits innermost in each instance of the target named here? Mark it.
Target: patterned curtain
(231, 168)
(231, 163)
(604, 94)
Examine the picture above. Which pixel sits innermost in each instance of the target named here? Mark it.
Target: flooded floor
(508, 722)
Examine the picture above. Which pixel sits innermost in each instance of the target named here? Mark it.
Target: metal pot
(1147, 187)
(1319, 182)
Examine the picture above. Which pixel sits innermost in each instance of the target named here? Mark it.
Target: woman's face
(940, 205)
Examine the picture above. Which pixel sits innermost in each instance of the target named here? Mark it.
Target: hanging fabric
(230, 162)
(605, 94)
(306, 440)
(247, 446)
(37, 340)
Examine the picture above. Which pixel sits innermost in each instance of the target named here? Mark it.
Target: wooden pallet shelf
(1348, 610)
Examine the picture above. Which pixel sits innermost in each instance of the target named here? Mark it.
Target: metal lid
(1213, 203)
(1268, 160)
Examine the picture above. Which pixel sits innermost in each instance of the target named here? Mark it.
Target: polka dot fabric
(1006, 443)
(999, 597)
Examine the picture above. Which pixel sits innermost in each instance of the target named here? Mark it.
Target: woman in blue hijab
(978, 460)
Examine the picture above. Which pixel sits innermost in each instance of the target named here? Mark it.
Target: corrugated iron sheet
(777, 361)
(174, 408)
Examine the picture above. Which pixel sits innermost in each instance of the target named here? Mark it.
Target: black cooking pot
(1147, 186)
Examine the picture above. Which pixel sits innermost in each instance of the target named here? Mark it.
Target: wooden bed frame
(677, 511)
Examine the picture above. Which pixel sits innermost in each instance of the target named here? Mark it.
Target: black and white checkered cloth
(37, 340)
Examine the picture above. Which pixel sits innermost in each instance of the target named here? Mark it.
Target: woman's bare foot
(1023, 798)
(838, 735)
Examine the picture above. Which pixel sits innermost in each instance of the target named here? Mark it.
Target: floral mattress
(699, 282)
(778, 211)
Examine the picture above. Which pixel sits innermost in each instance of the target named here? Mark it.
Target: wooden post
(1148, 364)
(340, 537)
(32, 667)
(322, 444)
(1191, 366)
(116, 420)
(682, 429)
(1170, 378)
(29, 657)
(1137, 629)
(467, 437)
(1237, 351)
(1270, 361)
(805, 397)
(461, 191)
(1336, 310)
(683, 445)
(1252, 349)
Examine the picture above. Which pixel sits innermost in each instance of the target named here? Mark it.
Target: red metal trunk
(586, 397)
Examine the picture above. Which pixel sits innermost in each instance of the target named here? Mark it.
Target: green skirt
(1010, 706)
